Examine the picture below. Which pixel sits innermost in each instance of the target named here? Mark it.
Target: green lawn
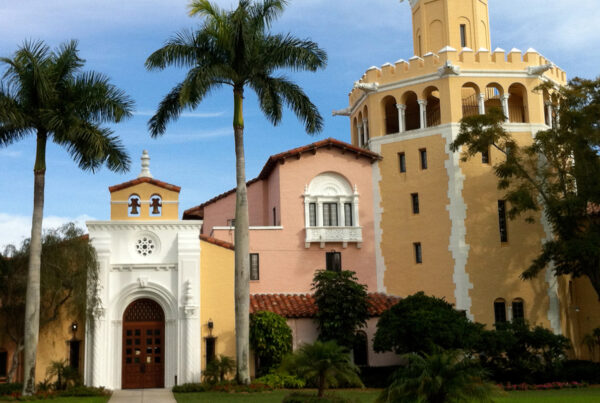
(587, 395)
(94, 399)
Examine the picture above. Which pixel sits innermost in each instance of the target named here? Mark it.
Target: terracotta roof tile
(303, 305)
(198, 211)
(217, 242)
(137, 181)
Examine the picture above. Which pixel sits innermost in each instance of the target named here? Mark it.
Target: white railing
(333, 234)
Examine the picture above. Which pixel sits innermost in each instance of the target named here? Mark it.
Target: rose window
(145, 246)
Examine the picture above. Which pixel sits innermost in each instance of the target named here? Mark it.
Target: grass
(72, 399)
(585, 395)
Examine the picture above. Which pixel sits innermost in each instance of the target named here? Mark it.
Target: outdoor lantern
(74, 328)
(210, 325)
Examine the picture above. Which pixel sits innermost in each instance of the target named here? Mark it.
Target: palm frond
(205, 8)
(264, 13)
(66, 61)
(290, 52)
(181, 50)
(268, 96)
(169, 109)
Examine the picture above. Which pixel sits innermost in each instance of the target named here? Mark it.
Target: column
(481, 103)
(359, 131)
(549, 112)
(504, 99)
(365, 132)
(423, 112)
(401, 117)
(98, 347)
(319, 213)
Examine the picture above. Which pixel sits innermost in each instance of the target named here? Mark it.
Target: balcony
(333, 234)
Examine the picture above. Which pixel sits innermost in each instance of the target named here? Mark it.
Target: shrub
(10, 388)
(420, 323)
(280, 381)
(298, 397)
(580, 371)
(66, 375)
(191, 388)
(270, 338)
(81, 390)
(377, 377)
(218, 369)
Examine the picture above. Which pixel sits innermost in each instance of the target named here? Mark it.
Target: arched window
(134, 205)
(390, 114)
(360, 349)
(155, 205)
(331, 210)
(493, 96)
(412, 120)
(432, 108)
(499, 311)
(518, 311)
(517, 103)
(470, 100)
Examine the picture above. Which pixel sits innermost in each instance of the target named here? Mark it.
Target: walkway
(142, 396)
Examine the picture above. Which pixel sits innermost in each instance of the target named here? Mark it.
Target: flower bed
(545, 386)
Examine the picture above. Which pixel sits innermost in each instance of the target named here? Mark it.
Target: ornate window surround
(331, 187)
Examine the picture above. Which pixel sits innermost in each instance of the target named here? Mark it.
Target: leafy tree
(342, 305)
(270, 338)
(558, 173)
(445, 376)
(69, 272)
(235, 48)
(323, 363)
(422, 324)
(44, 93)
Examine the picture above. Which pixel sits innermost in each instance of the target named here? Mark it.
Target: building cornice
(188, 225)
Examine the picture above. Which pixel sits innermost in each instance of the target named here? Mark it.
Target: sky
(197, 152)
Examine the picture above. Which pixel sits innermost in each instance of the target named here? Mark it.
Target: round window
(145, 246)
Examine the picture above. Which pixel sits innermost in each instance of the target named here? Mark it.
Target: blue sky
(196, 153)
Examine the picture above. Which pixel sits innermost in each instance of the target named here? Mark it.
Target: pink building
(310, 208)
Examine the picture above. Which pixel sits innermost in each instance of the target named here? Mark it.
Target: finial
(145, 173)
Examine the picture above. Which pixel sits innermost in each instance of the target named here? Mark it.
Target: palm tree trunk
(12, 373)
(242, 263)
(321, 391)
(32, 303)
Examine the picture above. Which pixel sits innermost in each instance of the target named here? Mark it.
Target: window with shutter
(333, 261)
(254, 267)
(348, 214)
(499, 311)
(330, 215)
(312, 211)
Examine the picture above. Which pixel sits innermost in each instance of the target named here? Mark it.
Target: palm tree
(441, 377)
(45, 93)
(324, 363)
(235, 48)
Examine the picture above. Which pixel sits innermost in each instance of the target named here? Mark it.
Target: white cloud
(10, 153)
(14, 229)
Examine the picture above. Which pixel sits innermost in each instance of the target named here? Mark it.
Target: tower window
(499, 311)
(402, 161)
(463, 35)
(312, 214)
(415, 203)
(518, 312)
(348, 214)
(134, 206)
(418, 252)
(423, 156)
(333, 261)
(502, 221)
(156, 206)
(485, 157)
(330, 215)
(254, 267)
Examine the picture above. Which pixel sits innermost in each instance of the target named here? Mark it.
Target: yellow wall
(581, 309)
(119, 211)
(217, 298)
(431, 227)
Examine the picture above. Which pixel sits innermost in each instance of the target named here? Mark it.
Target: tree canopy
(342, 305)
(557, 173)
(270, 338)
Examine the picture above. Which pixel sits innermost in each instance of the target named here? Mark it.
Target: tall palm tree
(44, 93)
(235, 48)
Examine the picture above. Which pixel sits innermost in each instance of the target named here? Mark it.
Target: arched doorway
(143, 345)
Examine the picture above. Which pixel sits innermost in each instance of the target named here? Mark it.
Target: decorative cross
(156, 205)
(134, 204)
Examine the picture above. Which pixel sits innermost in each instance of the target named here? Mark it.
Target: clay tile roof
(216, 241)
(303, 305)
(137, 181)
(198, 211)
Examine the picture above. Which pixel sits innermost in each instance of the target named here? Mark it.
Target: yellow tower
(441, 224)
(455, 23)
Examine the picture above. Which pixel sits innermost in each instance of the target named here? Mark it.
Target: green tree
(270, 338)
(422, 324)
(342, 305)
(69, 273)
(44, 93)
(558, 173)
(445, 376)
(235, 48)
(323, 363)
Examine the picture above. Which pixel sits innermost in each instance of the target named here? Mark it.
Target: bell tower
(454, 23)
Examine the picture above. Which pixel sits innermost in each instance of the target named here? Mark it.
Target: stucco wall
(119, 199)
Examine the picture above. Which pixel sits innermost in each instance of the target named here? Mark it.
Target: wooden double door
(143, 346)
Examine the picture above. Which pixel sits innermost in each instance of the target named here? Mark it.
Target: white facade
(158, 260)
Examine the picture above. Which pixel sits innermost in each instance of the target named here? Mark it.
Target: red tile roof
(303, 305)
(137, 181)
(198, 211)
(217, 242)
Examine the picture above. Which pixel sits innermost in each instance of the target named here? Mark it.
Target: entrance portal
(143, 345)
